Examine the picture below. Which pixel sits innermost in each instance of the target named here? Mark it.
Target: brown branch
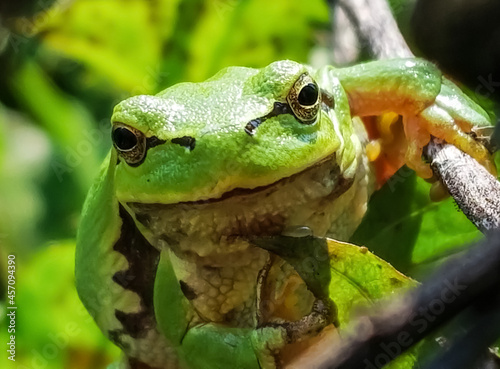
(475, 191)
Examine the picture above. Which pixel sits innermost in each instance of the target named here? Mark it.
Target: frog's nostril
(186, 141)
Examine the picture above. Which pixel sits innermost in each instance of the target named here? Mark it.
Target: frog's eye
(304, 99)
(130, 143)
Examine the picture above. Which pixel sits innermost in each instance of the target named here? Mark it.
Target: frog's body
(165, 260)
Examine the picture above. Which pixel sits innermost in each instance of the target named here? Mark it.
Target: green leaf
(359, 278)
(404, 227)
(355, 277)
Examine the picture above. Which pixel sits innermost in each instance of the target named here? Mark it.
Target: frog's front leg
(430, 105)
(204, 344)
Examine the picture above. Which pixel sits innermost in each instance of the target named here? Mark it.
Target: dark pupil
(124, 139)
(308, 95)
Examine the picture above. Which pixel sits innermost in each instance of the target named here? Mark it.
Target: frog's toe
(452, 117)
(465, 112)
(271, 338)
(413, 159)
(441, 124)
(438, 191)
(417, 138)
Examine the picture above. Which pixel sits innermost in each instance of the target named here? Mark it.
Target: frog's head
(241, 129)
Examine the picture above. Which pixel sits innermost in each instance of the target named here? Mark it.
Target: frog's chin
(305, 199)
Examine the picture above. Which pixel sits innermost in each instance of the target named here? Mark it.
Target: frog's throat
(306, 199)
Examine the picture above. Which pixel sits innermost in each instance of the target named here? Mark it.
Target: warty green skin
(225, 158)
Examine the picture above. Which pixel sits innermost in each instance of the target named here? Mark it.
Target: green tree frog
(165, 261)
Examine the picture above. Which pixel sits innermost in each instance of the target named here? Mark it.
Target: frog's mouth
(272, 187)
(306, 198)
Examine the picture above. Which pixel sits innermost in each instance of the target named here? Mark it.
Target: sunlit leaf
(404, 227)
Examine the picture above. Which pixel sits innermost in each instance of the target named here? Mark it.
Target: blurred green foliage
(64, 65)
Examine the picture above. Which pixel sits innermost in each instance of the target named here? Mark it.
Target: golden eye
(129, 142)
(304, 99)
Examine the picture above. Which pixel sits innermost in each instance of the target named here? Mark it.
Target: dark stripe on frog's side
(116, 337)
(135, 364)
(139, 278)
(188, 291)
